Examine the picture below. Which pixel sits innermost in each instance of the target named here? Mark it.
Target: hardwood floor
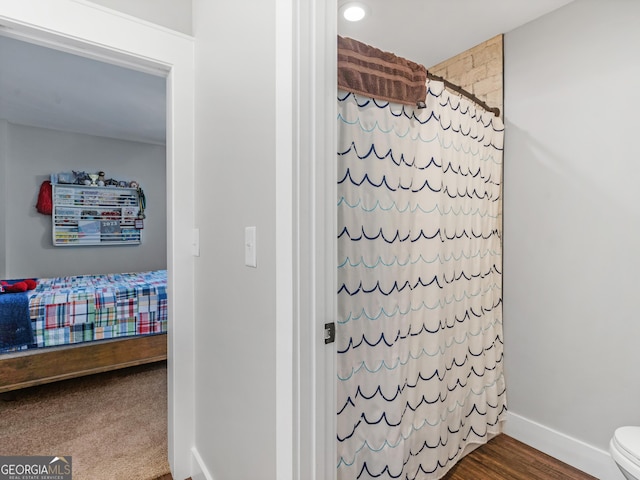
(505, 458)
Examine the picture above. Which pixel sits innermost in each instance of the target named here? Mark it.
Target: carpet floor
(114, 424)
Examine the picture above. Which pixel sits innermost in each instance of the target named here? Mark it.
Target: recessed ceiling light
(353, 11)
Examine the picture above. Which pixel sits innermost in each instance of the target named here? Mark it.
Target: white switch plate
(250, 258)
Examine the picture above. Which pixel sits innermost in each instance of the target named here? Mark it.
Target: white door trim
(285, 419)
(314, 115)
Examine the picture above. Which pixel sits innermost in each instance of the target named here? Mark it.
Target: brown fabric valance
(369, 71)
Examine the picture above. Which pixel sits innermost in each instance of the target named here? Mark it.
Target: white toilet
(625, 451)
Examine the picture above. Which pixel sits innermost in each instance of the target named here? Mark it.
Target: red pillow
(21, 286)
(16, 287)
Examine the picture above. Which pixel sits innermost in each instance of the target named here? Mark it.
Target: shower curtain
(419, 330)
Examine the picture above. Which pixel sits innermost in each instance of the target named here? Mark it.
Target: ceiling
(57, 90)
(431, 31)
(49, 88)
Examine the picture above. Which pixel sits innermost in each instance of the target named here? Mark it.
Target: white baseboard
(199, 470)
(585, 457)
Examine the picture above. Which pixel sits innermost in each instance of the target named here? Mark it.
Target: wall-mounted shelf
(86, 215)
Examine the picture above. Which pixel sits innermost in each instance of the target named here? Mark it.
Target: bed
(78, 325)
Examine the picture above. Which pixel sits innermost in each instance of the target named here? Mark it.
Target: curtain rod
(462, 91)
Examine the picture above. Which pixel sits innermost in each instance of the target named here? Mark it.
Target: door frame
(86, 29)
(315, 240)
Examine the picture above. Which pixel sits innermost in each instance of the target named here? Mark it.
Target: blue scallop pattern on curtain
(419, 331)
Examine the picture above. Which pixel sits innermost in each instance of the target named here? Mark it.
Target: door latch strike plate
(329, 333)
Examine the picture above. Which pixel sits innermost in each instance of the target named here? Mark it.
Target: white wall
(173, 14)
(572, 223)
(32, 154)
(235, 349)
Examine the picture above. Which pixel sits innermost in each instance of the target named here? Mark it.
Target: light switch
(250, 247)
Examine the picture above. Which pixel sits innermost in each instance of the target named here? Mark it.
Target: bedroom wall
(572, 228)
(32, 154)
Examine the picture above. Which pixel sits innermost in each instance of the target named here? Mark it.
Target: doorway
(62, 112)
(87, 30)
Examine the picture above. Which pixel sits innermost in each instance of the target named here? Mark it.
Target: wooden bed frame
(38, 366)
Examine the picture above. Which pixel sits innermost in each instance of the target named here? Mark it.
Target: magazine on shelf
(88, 231)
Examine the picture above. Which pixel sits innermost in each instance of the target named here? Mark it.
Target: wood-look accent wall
(478, 70)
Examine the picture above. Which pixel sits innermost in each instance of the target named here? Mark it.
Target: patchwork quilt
(67, 310)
